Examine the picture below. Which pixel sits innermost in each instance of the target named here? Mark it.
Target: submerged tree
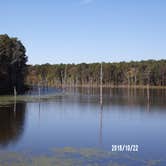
(12, 64)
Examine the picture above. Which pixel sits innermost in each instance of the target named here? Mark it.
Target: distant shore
(121, 75)
(108, 86)
(118, 86)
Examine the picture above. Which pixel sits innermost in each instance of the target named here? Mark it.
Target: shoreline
(121, 86)
(111, 86)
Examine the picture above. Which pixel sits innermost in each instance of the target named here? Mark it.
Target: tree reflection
(12, 119)
(101, 125)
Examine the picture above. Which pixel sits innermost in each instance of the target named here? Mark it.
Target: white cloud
(86, 2)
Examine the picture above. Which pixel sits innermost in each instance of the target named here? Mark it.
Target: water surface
(74, 118)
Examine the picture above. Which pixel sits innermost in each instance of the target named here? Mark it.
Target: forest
(13, 68)
(16, 74)
(150, 72)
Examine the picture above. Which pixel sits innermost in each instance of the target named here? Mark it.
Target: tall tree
(12, 64)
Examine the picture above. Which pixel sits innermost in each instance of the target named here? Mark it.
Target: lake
(74, 119)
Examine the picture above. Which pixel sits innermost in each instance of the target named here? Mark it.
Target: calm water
(75, 119)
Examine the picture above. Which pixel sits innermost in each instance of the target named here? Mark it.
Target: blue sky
(75, 31)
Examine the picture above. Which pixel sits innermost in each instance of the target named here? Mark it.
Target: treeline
(149, 72)
(12, 65)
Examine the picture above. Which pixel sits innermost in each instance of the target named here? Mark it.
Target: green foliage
(12, 64)
(124, 73)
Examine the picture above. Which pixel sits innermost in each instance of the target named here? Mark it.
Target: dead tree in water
(15, 95)
(147, 74)
(39, 90)
(101, 85)
(101, 104)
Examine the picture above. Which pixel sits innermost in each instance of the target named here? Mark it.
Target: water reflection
(123, 96)
(81, 118)
(101, 125)
(12, 119)
(101, 115)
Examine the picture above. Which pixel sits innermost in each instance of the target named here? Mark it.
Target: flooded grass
(69, 156)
